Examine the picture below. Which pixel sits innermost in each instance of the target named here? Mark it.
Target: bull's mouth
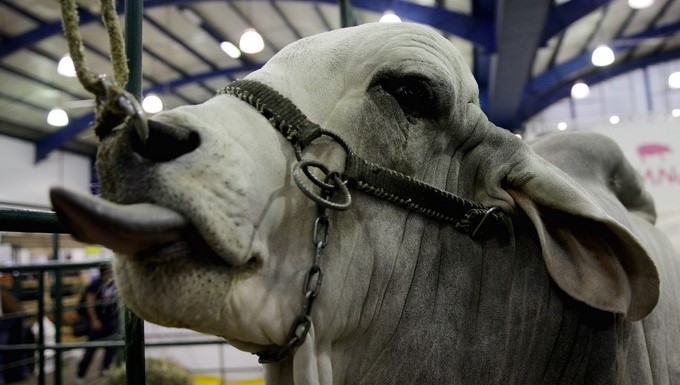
(141, 230)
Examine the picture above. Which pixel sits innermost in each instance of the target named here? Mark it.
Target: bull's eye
(413, 94)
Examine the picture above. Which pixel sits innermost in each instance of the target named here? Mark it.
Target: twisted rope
(70, 23)
(113, 104)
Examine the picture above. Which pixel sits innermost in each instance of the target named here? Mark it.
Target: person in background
(15, 365)
(102, 312)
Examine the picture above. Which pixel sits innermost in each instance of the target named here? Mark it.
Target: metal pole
(57, 310)
(133, 45)
(134, 327)
(346, 15)
(41, 327)
(30, 221)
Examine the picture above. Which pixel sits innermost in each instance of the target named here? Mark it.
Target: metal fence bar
(30, 221)
(50, 266)
(41, 328)
(56, 268)
(41, 347)
(134, 327)
(43, 221)
(107, 344)
(58, 311)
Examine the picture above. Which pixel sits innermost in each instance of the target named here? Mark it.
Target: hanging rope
(114, 105)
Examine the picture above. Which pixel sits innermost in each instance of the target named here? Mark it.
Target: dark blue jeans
(109, 332)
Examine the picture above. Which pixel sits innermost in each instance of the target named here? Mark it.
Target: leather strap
(465, 215)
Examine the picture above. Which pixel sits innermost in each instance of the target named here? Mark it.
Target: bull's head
(214, 235)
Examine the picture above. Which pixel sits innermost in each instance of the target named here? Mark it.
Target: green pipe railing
(38, 221)
(30, 221)
(14, 220)
(134, 327)
(56, 268)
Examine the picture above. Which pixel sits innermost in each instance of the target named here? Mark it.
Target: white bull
(574, 286)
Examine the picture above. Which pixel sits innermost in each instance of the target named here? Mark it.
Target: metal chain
(312, 284)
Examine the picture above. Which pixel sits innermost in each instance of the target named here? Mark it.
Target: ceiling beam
(569, 71)
(595, 77)
(479, 31)
(481, 63)
(519, 28)
(568, 13)
(31, 134)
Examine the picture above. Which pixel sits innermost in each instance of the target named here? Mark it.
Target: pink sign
(653, 149)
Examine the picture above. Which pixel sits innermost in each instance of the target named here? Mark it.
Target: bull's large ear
(590, 255)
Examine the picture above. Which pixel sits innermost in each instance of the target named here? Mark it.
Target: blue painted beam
(11, 45)
(563, 90)
(479, 31)
(29, 38)
(481, 65)
(519, 27)
(190, 79)
(166, 31)
(56, 139)
(569, 70)
(564, 15)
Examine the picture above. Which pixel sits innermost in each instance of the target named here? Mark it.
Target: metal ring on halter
(306, 164)
(337, 139)
(337, 185)
(122, 104)
(132, 108)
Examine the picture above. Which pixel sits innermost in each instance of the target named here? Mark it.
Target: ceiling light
(562, 126)
(251, 41)
(230, 49)
(676, 113)
(66, 67)
(519, 135)
(674, 80)
(602, 56)
(152, 104)
(580, 90)
(57, 117)
(640, 4)
(614, 119)
(390, 17)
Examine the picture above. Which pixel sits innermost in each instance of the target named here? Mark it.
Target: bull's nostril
(166, 142)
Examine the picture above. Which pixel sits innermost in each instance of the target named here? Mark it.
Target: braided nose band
(466, 216)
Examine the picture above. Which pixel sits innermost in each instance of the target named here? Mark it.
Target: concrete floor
(69, 367)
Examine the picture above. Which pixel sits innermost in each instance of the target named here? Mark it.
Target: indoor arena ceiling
(525, 54)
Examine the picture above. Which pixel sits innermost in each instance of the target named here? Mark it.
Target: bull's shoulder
(596, 161)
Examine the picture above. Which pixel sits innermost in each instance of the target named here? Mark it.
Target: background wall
(653, 148)
(641, 113)
(26, 183)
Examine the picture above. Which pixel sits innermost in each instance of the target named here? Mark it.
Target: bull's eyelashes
(415, 95)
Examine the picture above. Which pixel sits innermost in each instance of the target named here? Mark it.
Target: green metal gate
(36, 221)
